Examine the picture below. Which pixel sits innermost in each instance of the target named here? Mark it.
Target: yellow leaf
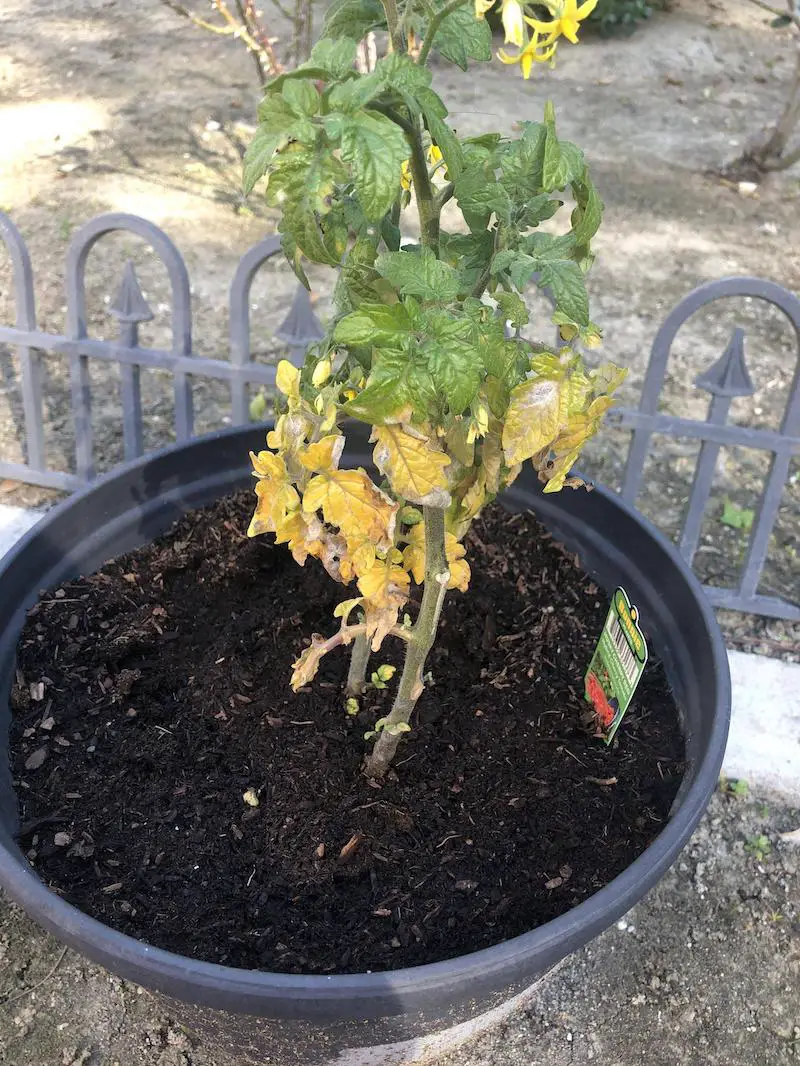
(276, 496)
(414, 558)
(324, 454)
(304, 668)
(287, 379)
(385, 590)
(384, 584)
(414, 468)
(414, 552)
(344, 609)
(460, 574)
(304, 534)
(532, 419)
(351, 501)
(322, 371)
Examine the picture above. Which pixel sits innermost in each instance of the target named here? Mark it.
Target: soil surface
(154, 694)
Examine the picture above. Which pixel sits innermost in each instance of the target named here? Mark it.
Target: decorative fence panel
(726, 379)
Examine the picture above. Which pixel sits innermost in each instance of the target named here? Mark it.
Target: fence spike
(729, 376)
(129, 304)
(301, 326)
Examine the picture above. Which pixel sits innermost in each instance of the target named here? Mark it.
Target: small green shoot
(736, 517)
(382, 675)
(734, 786)
(351, 706)
(759, 847)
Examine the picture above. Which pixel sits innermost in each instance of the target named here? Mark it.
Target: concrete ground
(704, 972)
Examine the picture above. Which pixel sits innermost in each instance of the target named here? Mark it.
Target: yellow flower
(482, 6)
(435, 155)
(567, 17)
(512, 16)
(537, 50)
(405, 175)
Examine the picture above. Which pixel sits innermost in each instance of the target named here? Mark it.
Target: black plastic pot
(377, 1017)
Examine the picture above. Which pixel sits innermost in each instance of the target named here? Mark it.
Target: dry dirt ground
(704, 972)
(108, 105)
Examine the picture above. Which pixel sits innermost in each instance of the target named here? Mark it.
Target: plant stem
(434, 25)
(393, 24)
(422, 637)
(357, 674)
(428, 206)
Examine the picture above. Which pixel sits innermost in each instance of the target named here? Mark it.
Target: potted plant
(416, 411)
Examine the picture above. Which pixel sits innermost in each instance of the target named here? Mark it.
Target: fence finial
(129, 304)
(729, 375)
(301, 326)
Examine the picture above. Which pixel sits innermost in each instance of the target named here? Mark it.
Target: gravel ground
(704, 972)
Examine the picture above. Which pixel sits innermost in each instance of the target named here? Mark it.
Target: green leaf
(736, 517)
(357, 276)
(335, 55)
(471, 253)
(353, 18)
(563, 161)
(462, 37)
(538, 209)
(501, 357)
(355, 93)
(519, 266)
(374, 323)
(301, 96)
(547, 247)
(588, 213)
(401, 73)
(512, 308)
(479, 195)
(399, 379)
(566, 282)
(278, 124)
(259, 155)
(454, 360)
(303, 181)
(434, 113)
(419, 273)
(375, 149)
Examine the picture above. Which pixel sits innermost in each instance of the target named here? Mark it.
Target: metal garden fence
(725, 380)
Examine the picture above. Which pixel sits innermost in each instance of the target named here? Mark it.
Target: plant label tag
(617, 665)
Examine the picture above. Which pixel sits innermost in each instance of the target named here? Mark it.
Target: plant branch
(359, 659)
(423, 636)
(179, 9)
(433, 27)
(405, 125)
(445, 194)
(775, 12)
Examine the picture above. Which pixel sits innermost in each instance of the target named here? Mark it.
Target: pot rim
(168, 968)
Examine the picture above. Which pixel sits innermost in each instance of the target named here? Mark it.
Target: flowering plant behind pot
(418, 348)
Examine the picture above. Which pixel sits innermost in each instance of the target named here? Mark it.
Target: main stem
(420, 643)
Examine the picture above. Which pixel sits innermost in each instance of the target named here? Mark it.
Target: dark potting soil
(153, 694)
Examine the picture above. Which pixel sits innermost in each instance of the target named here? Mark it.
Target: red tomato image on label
(594, 690)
